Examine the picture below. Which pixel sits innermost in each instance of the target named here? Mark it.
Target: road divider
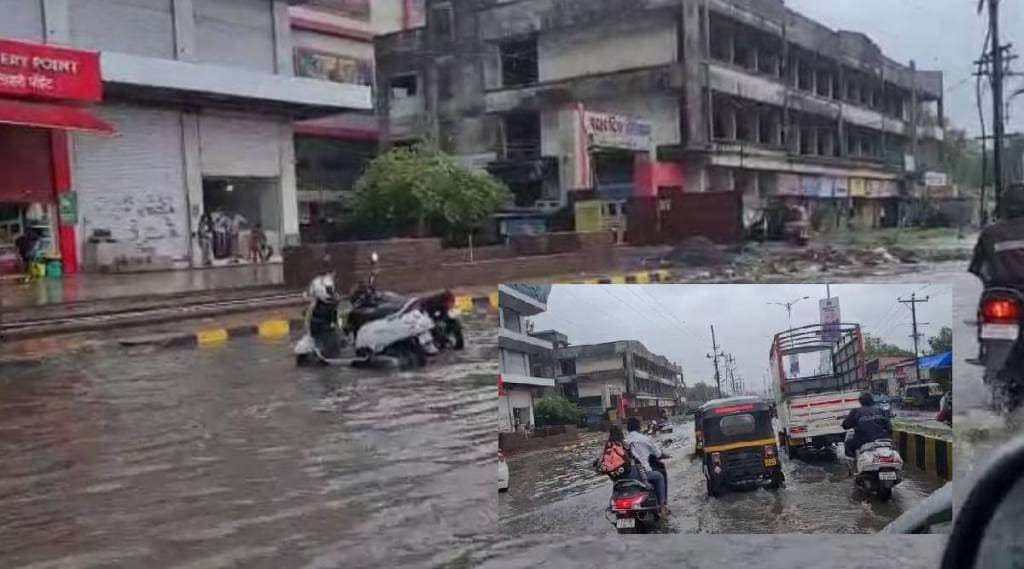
(646, 277)
(926, 452)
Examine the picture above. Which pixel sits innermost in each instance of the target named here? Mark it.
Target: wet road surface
(555, 491)
(232, 457)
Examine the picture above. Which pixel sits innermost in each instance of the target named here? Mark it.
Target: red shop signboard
(49, 72)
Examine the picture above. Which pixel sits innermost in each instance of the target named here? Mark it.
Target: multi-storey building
(621, 376)
(200, 96)
(519, 383)
(333, 41)
(636, 99)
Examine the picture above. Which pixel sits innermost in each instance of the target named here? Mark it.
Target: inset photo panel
(724, 408)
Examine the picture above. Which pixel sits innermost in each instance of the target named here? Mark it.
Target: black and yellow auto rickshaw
(740, 448)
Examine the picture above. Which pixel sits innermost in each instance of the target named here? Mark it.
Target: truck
(811, 408)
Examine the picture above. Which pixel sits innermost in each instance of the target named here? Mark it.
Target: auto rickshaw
(740, 448)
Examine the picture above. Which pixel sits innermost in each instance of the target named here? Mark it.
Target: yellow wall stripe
(210, 337)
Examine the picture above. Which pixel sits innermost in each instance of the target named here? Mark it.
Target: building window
(511, 320)
(567, 366)
(519, 62)
(442, 22)
(522, 135)
(404, 86)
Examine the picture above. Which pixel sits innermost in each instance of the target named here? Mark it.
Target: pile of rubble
(699, 252)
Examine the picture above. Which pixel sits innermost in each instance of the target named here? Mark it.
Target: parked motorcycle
(322, 340)
(878, 467)
(633, 507)
(368, 304)
(388, 325)
(998, 324)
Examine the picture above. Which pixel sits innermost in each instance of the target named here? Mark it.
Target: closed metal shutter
(238, 33)
(141, 27)
(133, 184)
(21, 20)
(231, 145)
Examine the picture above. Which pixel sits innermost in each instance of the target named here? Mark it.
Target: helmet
(1013, 202)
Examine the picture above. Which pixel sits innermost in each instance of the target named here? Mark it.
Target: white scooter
(878, 467)
(404, 335)
(321, 314)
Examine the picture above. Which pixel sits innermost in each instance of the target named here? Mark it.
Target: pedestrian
(257, 244)
(205, 235)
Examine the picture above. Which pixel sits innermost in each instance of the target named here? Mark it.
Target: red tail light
(1000, 310)
(629, 502)
(887, 459)
(797, 429)
(769, 450)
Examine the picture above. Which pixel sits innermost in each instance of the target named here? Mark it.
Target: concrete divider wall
(930, 454)
(409, 265)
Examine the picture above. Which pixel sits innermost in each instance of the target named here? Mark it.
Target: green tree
(556, 411)
(874, 347)
(409, 190)
(701, 393)
(943, 342)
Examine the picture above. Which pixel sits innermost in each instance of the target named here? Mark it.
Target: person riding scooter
(869, 423)
(322, 314)
(643, 448)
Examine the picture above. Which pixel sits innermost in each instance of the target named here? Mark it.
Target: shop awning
(52, 116)
(936, 361)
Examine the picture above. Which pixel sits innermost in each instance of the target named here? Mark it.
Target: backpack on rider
(615, 461)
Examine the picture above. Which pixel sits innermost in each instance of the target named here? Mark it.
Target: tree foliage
(700, 393)
(556, 411)
(407, 190)
(874, 347)
(943, 342)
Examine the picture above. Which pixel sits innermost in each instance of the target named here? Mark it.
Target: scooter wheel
(302, 360)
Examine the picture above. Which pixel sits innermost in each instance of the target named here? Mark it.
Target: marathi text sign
(615, 131)
(48, 72)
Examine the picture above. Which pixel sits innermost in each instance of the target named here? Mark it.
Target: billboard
(829, 309)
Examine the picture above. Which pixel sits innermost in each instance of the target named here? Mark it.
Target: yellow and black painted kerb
(279, 328)
(648, 277)
(930, 454)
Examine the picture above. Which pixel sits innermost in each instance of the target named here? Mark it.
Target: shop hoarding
(332, 67)
(606, 130)
(48, 72)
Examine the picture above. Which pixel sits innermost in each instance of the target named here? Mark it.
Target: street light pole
(789, 309)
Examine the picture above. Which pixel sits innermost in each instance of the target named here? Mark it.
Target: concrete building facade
(333, 41)
(201, 96)
(568, 100)
(623, 376)
(518, 387)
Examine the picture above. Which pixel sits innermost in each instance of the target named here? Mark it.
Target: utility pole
(731, 368)
(912, 303)
(789, 309)
(714, 356)
(997, 102)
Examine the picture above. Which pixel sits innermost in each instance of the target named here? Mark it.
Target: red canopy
(52, 116)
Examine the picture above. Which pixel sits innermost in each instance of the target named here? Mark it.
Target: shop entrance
(27, 197)
(237, 211)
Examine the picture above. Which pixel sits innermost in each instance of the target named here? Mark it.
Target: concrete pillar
(730, 48)
(754, 120)
(795, 65)
(827, 143)
(812, 144)
(698, 108)
(284, 59)
(193, 180)
(57, 21)
(289, 195)
(844, 151)
(814, 79)
(184, 30)
(776, 125)
(755, 58)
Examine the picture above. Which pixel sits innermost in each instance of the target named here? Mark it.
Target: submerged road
(232, 457)
(555, 491)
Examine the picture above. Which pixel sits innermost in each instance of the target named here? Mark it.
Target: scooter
(322, 340)
(388, 325)
(878, 467)
(999, 315)
(633, 507)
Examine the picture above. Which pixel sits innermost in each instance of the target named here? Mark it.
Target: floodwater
(232, 456)
(555, 490)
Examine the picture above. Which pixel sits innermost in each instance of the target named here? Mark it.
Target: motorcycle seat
(629, 484)
(377, 311)
(881, 443)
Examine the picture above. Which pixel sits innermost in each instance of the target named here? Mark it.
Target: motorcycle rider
(999, 261)
(643, 448)
(323, 314)
(999, 254)
(869, 424)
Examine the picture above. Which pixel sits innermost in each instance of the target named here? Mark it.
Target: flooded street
(232, 456)
(556, 491)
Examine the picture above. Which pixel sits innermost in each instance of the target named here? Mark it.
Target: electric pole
(912, 303)
(714, 356)
(997, 102)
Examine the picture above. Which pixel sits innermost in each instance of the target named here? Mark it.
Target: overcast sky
(945, 35)
(675, 320)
